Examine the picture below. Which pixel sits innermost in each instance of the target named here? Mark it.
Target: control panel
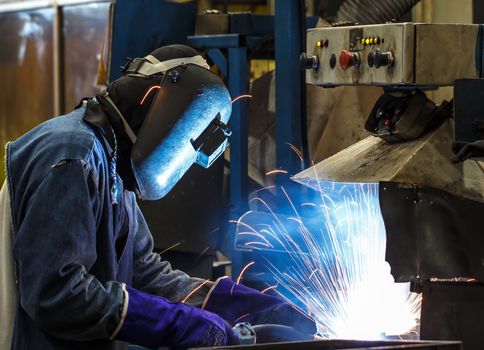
(392, 54)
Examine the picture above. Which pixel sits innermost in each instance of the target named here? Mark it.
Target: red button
(346, 59)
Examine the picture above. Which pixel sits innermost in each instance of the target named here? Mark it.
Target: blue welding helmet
(185, 124)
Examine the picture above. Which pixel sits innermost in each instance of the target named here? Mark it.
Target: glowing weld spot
(338, 271)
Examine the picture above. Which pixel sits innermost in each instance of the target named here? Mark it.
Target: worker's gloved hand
(238, 303)
(152, 322)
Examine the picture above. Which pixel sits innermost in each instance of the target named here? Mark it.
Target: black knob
(382, 58)
(309, 62)
(174, 76)
(332, 61)
(371, 58)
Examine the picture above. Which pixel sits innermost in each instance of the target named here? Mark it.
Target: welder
(85, 273)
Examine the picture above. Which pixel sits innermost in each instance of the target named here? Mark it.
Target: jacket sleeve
(55, 248)
(153, 275)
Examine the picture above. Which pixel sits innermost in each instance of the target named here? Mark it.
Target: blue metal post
(219, 59)
(238, 69)
(238, 85)
(289, 97)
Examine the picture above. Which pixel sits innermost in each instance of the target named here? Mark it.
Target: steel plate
(336, 344)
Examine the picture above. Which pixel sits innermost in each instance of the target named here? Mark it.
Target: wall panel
(83, 32)
(26, 86)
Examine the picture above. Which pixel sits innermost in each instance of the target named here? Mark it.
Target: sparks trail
(148, 92)
(194, 291)
(241, 97)
(243, 271)
(277, 171)
(336, 269)
(297, 151)
(240, 318)
(268, 289)
(170, 247)
(240, 276)
(201, 254)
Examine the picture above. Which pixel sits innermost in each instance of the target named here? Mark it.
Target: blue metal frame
(289, 96)
(249, 31)
(218, 58)
(238, 84)
(235, 68)
(163, 23)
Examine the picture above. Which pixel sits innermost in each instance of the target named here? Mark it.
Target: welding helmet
(186, 122)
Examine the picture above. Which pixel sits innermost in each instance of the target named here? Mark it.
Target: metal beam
(218, 58)
(216, 41)
(238, 85)
(289, 95)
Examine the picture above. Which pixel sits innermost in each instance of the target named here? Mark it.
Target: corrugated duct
(373, 11)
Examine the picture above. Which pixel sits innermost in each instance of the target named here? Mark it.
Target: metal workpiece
(426, 161)
(394, 54)
(453, 310)
(431, 234)
(335, 344)
(469, 121)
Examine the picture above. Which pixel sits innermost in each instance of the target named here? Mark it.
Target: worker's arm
(55, 247)
(155, 276)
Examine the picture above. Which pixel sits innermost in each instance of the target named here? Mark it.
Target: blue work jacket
(74, 246)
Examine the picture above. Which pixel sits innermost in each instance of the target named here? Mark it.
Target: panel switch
(348, 59)
(378, 58)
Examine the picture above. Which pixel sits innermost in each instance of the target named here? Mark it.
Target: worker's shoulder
(59, 138)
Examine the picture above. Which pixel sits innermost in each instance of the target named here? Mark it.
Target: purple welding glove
(237, 303)
(152, 322)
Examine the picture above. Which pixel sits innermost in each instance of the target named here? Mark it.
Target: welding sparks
(148, 92)
(240, 318)
(241, 97)
(268, 289)
(170, 248)
(277, 171)
(194, 291)
(337, 269)
(297, 151)
(243, 271)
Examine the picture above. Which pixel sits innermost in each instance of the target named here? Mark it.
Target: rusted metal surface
(26, 86)
(84, 28)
